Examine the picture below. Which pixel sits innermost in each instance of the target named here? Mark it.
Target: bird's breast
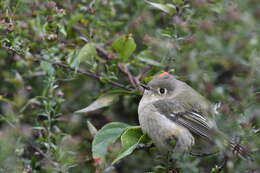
(159, 128)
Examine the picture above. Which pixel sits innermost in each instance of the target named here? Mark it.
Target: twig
(43, 154)
(201, 154)
(133, 80)
(8, 122)
(143, 73)
(86, 73)
(221, 167)
(102, 53)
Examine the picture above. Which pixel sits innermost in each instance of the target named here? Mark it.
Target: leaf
(130, 140)
(125, 46)
(87, 54)
(125, 153)
(48, 68)
(74, 19)
(105, 137)
(101, 102)
(62, 29)
(131, 136)
(2, 98)
(178, 2)
(38, 128)
(92, 129)
(150, 62)
(167, 8)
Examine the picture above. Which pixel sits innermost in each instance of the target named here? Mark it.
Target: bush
(57, 57)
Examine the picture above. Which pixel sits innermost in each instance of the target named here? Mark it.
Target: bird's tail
(239, 150)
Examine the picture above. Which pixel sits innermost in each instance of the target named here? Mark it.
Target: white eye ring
(162, 91)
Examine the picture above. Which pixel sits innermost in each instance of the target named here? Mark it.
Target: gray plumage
(178, 119)
(179, 114)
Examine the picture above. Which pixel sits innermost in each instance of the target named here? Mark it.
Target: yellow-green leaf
(101, 102)
(130, 140)
(125, 46)
(167, 8)
(106, 136)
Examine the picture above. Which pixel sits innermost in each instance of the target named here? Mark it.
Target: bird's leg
(222, 165)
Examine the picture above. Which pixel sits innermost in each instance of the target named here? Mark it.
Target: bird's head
(162, 86)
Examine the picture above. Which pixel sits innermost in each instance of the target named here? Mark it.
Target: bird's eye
(162, 91)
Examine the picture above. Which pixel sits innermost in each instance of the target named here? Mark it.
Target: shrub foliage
(70, 75)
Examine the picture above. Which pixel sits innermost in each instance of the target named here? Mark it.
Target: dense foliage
(69, 67)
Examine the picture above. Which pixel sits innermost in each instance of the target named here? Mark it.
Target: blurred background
(57, 57)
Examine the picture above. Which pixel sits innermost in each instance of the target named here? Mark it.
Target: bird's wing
(193, 120)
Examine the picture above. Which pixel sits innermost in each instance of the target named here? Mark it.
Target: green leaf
(62, 29)
(48, 68)
(130, 140)
(125, 153)
(125, 46)
(74, 19)
(167, 8)
(178, 2)
(87, 54)
(38, 128)
(131, 136)
(101, 102)
(105, 137)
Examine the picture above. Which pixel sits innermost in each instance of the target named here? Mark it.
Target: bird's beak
(145, 86)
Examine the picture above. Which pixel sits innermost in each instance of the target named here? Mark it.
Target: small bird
(180, 120)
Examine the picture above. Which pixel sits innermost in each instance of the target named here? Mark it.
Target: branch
(85, 73)
(125, 70)
(201, 154)
(133, 79)
(102, 53)
(43, 154)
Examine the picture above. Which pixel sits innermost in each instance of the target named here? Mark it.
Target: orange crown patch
(164, 74)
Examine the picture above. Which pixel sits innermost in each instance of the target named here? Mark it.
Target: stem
(85, 73)
(43, 154)
(132, 79)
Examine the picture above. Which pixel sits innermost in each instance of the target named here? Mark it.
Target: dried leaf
(101, 102)
(92, 129)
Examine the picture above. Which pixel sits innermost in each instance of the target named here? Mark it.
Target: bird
(179, 119)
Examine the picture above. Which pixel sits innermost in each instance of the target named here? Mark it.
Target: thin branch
(103, 53)
(133, 80)
(201, 154)
(86, 73)
(143, 73)
(125, 70)
(43, 154)
(100, 51)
